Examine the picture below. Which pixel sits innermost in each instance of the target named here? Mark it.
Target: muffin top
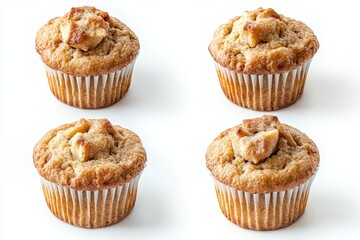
(86, 41)
(89, 154)
(262, 155)
(263, 42)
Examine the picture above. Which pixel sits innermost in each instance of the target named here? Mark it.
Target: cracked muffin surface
(86, 41)
(89, 154)
(263, 42)
(262, 155)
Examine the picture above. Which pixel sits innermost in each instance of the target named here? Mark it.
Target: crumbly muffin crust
(290, 163)
(89, 154)
(263, 42)
(86, 41)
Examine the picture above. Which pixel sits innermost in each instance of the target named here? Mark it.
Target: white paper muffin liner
(96, 91)
(264, 92)
(90, 209)
(263, 211)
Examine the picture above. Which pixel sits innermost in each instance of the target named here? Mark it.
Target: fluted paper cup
(90, 209)
(263, 211)
(263, 92)
(96, 91)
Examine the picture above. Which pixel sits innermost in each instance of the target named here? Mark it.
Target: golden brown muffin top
(262, 155)
(263, 42)
(86, 41)
(89, 154)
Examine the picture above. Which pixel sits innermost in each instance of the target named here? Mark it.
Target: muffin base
(91, 92)
(263, 211)
(90, 209)
(263, 92)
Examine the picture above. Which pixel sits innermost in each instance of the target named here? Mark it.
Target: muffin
(89, 57)
(262, 59)
(90, 171)
(262, 171)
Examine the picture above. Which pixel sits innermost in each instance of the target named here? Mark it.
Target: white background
(176, 106)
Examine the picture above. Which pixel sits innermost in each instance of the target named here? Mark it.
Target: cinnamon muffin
(90, 171)
(262, 171)
(89, 57)
(262, 59)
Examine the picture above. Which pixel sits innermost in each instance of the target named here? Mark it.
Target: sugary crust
(89, 154)
(294, 161)
(263, 42)
(114, 52)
